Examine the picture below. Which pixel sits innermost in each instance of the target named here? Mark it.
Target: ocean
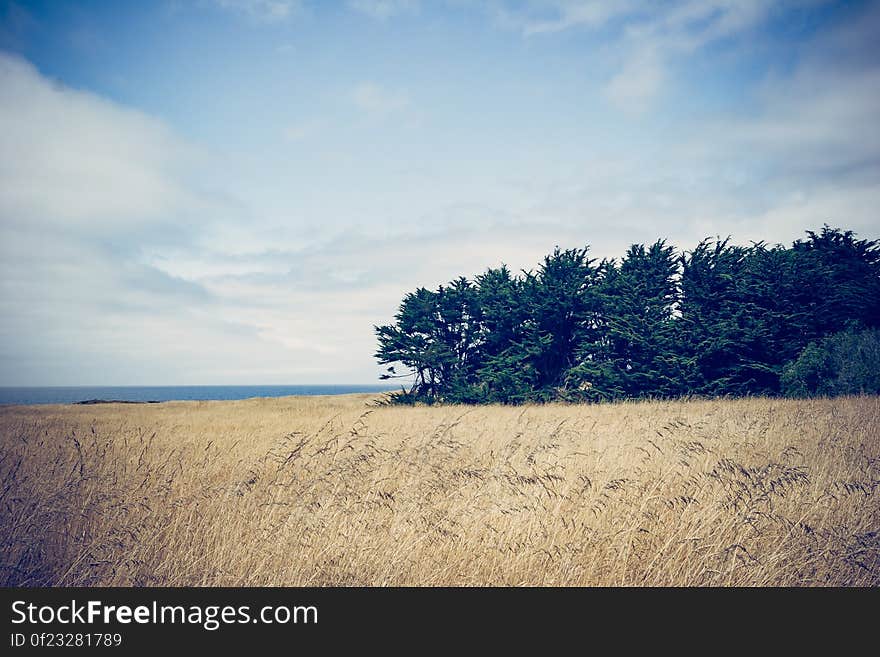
(72, 395)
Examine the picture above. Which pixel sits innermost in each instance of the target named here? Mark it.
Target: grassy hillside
(333, 491)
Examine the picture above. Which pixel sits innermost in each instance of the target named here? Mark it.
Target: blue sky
(236, 191)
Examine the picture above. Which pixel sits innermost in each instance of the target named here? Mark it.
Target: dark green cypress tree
(505, 375)
(458, 328)
(634, 351)
(717, 332)
(841, 275)
(411, 342)
(559, 298)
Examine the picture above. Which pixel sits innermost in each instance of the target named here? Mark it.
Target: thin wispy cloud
(536, 17)
(376, 99)
(808, 123)
(263, 11)
(638, 83)
(302, 130)
(649, 37)
(384, 9)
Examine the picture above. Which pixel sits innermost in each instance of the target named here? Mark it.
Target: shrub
(845, 363)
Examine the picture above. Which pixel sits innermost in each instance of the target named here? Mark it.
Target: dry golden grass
(331, 491)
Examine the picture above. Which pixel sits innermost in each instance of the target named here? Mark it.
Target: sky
(235, 192)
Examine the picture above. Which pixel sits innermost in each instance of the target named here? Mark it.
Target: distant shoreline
(117, 401)
(92, 395)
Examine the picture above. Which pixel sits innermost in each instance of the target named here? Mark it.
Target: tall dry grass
(332, 491)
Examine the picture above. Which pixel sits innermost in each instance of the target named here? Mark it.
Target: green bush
(845, 363)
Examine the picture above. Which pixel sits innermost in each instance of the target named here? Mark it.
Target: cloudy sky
(236, 191)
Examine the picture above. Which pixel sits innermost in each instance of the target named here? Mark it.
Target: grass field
(336, 491)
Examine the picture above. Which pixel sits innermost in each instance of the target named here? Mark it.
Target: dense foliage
(720, 319)
(843, 363)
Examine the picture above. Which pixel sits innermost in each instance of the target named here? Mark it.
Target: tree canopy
(719, 319)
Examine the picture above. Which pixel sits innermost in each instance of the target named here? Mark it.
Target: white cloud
(375, 99)
(87, 189)
(384, 9)
(118, 267)
(72, 157)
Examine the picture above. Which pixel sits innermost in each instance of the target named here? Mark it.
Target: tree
(722, 336)
(560, 300)
(841, 276)
(505, 375)
(633, 352)
(411, 341)
(434, 336)
(457, 328)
